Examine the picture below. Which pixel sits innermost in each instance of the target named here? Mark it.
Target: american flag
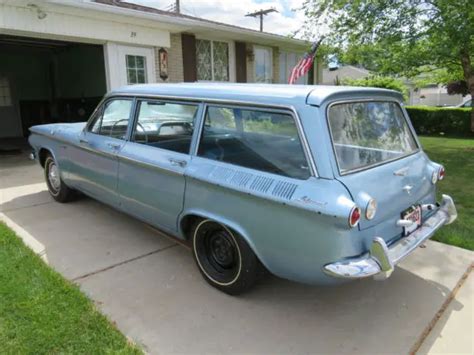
(304, 65)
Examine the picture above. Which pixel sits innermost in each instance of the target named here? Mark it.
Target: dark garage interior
(45, 81)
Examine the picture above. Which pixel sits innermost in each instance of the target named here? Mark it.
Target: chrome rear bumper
(380, 261)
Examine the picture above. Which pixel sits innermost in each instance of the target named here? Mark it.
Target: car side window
(166, 125)
(113, 120)
(257, 139)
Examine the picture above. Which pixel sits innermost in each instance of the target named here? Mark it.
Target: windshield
(369, 133)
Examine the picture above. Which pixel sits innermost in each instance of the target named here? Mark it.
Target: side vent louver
(241, 178)
(284, 190)
(222, 174)
(261, 184)
(257, 183)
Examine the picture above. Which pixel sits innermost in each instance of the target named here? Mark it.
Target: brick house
(59, 57)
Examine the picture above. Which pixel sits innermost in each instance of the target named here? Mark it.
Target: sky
(285, 22)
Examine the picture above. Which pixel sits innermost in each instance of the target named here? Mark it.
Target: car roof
(275, 94)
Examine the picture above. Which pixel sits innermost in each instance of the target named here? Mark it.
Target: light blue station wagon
(316, 184)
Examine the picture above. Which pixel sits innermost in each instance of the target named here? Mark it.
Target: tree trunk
(472, 110)
(471, 91)
(469, 77)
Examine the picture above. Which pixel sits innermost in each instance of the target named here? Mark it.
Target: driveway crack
(113, 266)
(441, 311)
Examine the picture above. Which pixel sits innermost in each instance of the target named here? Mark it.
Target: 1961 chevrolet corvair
(316, 184)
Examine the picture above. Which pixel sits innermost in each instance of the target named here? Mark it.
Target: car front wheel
(56, 187)
(224, 258)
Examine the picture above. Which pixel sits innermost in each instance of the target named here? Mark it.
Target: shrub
(454, 122)
(379, 81)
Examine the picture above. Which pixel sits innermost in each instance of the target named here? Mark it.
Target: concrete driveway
(149, 286)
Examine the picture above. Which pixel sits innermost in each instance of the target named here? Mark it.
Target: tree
(404, 37)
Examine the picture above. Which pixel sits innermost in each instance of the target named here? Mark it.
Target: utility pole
(260, 14)
(174, 7)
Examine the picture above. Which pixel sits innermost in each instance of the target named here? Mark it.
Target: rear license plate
(412, 214)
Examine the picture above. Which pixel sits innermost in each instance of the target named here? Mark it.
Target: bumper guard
(380, 261)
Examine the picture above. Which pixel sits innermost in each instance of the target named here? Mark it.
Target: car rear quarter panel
(294, 226)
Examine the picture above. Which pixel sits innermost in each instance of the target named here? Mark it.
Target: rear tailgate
(395, 186)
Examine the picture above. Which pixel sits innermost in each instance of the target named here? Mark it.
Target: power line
(260, 14)
(174, 7)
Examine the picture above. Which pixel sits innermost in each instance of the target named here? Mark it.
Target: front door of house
(129, 65)
(136, 65)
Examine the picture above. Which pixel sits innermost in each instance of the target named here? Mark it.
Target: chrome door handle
(83, 141)
(113, 145)
(177, 162)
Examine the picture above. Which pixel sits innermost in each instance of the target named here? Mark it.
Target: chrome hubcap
(53, 177)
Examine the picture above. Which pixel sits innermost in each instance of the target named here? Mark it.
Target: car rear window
(365, 134)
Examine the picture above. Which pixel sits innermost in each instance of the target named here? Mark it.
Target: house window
(212, 59)
(136, 69)
(288, 61)
(263, 65)
(5, 93)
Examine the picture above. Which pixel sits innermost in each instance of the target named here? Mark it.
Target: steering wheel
(115, 124)
(145, 133)
(126, 120)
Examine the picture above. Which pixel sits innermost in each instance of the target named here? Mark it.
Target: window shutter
(241, 62)
(188, 42)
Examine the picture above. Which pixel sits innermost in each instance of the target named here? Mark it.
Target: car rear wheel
(56, 187)
(224, 258)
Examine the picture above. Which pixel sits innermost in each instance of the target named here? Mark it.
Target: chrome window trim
(366, 167)
(200, 99)
(288, 110)
(251, 104)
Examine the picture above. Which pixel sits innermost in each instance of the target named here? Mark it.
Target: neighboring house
(435, 95)
(429, 95)
(59, 57)
(333, 75)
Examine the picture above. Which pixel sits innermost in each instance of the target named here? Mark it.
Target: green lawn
(457, 156)
(40, 312)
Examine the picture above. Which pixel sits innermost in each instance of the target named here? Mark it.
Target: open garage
(46, 81)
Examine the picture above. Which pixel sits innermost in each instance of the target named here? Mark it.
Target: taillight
(354, 216)
(371, 209)
(441, 173)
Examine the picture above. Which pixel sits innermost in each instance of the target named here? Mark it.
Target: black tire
(56, 187)
(224, 258)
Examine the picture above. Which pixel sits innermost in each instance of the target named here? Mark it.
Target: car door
(94, 158)
(151, 179)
